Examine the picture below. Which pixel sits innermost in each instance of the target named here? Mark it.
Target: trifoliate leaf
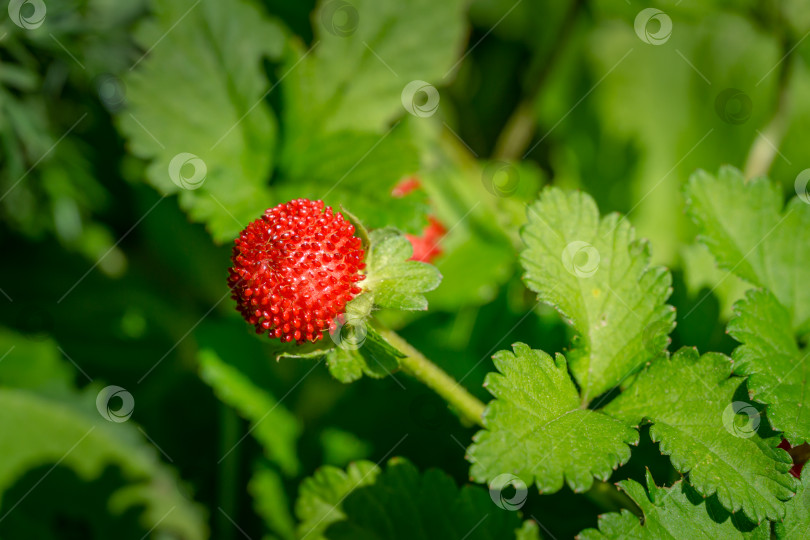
(276, 429)
(778, 374)
(402, 504)
(744, 226)
(598, 276)
(675, 512)
(321, 496)
(537, 430)
(195, 108)
(796, 524)
(690, 401)
(392, 279)
(73, 435)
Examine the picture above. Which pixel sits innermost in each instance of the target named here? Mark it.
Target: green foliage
(689, 399)
(270, 501)
(749, 233)
(394, 280)
(775, 366)
(400, 503)
(321, 496)
(674, 512)
(599, 277)
(127, 129)
(797, 519)
(218, 58)
(270, 423)
(36, 389)
(536, 429)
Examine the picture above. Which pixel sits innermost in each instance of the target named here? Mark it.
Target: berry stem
(418, 366)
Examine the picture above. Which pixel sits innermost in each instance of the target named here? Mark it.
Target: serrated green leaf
(71, 434)
(744, 226)
(392, 279)
(690, 401)
(403, 504)
(598, 276)
(529, 531)
(276, 429)
(675, 512)
(537, 430)
(320, 497)
(200, 90)
(778, 374)
(367, 352)
(354, 77)
(796, 523)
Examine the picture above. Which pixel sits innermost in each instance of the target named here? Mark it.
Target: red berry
(405, 186)
(426, 247)
(294, 270)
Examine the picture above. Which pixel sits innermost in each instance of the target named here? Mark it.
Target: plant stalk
(418, 366)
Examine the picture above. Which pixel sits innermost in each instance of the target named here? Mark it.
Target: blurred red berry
(426, 247)
(405, 186)
(294, 270)
(800, 454)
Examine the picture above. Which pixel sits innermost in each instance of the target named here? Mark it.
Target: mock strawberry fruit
(426, 247)
(294, 270)
(405, 186)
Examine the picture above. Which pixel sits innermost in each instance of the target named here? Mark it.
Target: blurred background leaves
(114, 272)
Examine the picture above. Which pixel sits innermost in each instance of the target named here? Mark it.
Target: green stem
(418, 366)
(765, 147)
